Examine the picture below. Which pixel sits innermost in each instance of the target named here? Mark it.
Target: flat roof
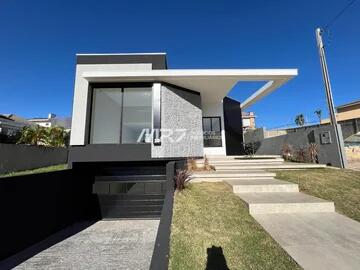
(157, 60)
(213, 84)
(357, 102)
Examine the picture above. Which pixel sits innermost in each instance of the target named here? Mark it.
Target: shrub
(182, 177)
(302, 154)
(191, 164)
(207, 166)
(251, 148)
(313, 150)
(287, 152)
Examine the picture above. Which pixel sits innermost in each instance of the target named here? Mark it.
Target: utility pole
(330, 101)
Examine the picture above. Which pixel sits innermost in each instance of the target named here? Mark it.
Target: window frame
(211, 117)
(121, 86)
(211, 127)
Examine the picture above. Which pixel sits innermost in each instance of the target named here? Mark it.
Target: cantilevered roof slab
(213, 84)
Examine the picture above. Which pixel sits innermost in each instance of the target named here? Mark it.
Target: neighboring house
(131, 115)
(44, 122)
(51, 121)
(248, 120)
(10, 126)
(348, 116)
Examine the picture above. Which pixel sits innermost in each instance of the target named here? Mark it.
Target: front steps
(215, 176)
(284, 202)
(259, 189)
(261, 185)
(285, 166)
(306, 227)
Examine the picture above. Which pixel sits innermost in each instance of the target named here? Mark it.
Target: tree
(35, 135)
(318, 114)
(300, 120)
(55, 137)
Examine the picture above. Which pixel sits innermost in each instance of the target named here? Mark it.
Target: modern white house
(119, 97)
(132, 114)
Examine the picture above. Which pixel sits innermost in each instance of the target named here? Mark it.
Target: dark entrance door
(233, 127)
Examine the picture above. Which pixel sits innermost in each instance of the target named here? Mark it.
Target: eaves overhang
(212, 84)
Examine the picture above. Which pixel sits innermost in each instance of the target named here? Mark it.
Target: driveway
(113, 244)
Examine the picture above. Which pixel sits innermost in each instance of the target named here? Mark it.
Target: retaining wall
(19, 157)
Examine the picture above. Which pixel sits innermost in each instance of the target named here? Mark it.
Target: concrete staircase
(231, 163)
(258, 188)
(307, 227)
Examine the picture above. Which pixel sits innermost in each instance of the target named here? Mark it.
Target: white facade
(213, 110)
(81, 92)
(213, 86)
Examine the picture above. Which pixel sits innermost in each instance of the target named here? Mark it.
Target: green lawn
(39, 170)
(209, 214)
(340, 186)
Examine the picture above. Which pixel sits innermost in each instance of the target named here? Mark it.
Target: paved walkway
(115, 244)
(305, 226)
(316, 240)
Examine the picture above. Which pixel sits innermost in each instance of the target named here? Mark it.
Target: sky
(39, 40)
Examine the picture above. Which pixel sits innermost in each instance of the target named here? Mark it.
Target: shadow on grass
(216, 259)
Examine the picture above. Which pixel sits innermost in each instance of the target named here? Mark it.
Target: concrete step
(225, 160)
(262, 185)
(224, 167)
(220, 179)
(232, 174)
(243, 157)
(284, 202)
(237, 163)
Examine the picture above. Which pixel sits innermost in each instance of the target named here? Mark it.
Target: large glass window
(136, 117)
(106, 115)
(121, 115)
(212, 131)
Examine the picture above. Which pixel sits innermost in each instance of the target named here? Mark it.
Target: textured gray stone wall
(181, 115)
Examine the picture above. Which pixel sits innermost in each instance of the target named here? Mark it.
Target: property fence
(18, 157)
(328, 152)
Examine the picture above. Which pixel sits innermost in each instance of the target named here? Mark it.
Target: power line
(339, 15)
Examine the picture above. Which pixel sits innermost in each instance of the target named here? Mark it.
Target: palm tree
(56, 136)
(318, 114)
(35, 135)
(300, 120)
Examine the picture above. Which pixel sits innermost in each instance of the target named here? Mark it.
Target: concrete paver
(108, 244)
(316, 240)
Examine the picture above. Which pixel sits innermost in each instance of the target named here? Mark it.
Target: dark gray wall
(158, 61)
(33, 207)
(19, 157)
(328, 153)
(233, 127)
(254, 135)
(109, 152)
(350, 127)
